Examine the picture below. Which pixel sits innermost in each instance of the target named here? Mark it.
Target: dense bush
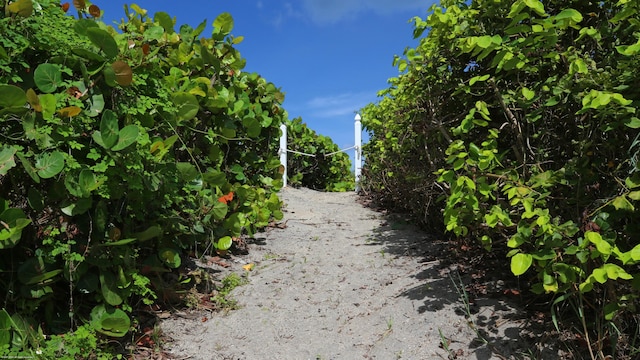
(328, 169)
(515, 124)
(120, 153)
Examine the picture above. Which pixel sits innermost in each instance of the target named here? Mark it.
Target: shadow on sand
(477, 290)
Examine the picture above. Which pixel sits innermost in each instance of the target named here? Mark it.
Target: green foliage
(222, 298)
(120, 153)
(328, 170)
(518, 123)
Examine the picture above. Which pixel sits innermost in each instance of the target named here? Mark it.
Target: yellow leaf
(70, 111)
(23, 8)
(249, 267)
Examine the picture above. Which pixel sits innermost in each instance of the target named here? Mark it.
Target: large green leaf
(48, 103)
(188, 171)
(28, 167)
(77, 208)
(520, 263)
(12, 96)
(215, 177)
(219, 210)
(47, 77)
(224, 243)
(150, 233)
(104, 41)
(187, 105)
(126, 136)
(6, 325)
(34, 271)
(110, 321)
(88, 182)
(35, 199)
(252, 126)
(164, 20)
(7, 160)
(223, 24)
(88, 54)
(154, 33)
(49, 165)
(109, 130)
(97, 105)
(14, 221)
(110, 292)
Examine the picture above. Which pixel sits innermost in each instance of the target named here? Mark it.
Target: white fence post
(283, 153)
(358, 147)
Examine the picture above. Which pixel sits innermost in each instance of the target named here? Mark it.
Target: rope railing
(282, 151)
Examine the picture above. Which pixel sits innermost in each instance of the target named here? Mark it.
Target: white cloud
(338, 105)
(275, 13)
(329, 11)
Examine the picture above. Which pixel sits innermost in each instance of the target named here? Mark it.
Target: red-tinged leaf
(65, 6)
(80, 5)
(124, 74)
(94, 11)
(145, 49)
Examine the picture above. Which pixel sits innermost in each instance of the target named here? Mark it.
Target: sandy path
(342, 282)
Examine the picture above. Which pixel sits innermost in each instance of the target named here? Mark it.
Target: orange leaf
(94, 11)
(145, 49)
(226, 198)
(249, 267)
(65, 6)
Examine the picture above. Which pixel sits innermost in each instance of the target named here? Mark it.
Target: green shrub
(120, 153)
(328, 170)
(515, 124)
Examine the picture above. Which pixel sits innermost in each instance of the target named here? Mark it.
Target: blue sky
(329, 57)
